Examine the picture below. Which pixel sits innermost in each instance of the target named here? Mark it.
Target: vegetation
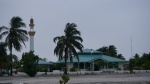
(15, 63)
(30, 63)
(15, 35)
(3, 54)
(65, 79)
(68, 43)
(43, 68)
(5, 60)
(44, 59)
(131, 65)
(58, 66)
(140, 62)
(100, 63)
(74, 69)
(111, 51)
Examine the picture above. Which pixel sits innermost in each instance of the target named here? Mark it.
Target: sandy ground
(138, 78)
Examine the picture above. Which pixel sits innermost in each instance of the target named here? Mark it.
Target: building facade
(92, 60)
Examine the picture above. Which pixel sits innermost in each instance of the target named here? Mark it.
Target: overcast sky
(101, 22)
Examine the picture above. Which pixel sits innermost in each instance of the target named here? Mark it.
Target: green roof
(91, 58)
(44, 62)
(90, 51)
(90, 55)
(108, 59)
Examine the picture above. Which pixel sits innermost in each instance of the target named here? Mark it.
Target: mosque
(87, 59)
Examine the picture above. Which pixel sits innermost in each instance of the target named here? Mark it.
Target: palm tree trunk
(11, 61)
(66, 53)
(65, 72)
(1, 73)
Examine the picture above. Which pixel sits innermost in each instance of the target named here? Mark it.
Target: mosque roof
(90, 55)
(42, 62)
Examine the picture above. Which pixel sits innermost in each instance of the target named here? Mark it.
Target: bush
(64, 80)
(57, 67)
(42, 68)
(20, 70)
(30, 63)
(118, 69)
(74, 69)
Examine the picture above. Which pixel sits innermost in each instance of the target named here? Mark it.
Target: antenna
(131, 46)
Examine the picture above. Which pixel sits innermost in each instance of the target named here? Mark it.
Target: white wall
(120, 65)
(70, 65)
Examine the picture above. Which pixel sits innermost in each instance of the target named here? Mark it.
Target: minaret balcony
(31, 33)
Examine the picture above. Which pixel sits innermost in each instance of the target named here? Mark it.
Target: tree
(104, 50)
(68, 43)
(131, 65)
(120, 56)
(145, 61)
(140, 63)
(14, 63)
(3, 54)
(44, 59)
(30, 63)
(15, 35)
(137, 62)
(111, 51)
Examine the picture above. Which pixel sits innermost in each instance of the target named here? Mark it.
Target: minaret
(31, 34)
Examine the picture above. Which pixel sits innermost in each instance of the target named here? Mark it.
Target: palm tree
(68, 43)
(120, 56)
(112, 51)
(3, 55)
(15, 35)
(104, 50)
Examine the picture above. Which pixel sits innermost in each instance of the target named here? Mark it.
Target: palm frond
(77, 38)
(61, 51)
(3, 49)
(74, 52)
(22, 36)
(17, 44)
(16, 22)
(58, 38)
(77, 45)
(5, 31)
(57, 49)
(76, 32)
(3, 28)
(3, 34)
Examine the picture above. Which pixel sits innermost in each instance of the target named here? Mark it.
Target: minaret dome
(31, 23)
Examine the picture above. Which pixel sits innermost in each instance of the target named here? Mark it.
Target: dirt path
(81, 79)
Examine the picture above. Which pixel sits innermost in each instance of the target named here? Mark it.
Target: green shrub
(118, 69)
(20, 70)
(30, 63)
(64, 80)
(42, 68)
(74, 69)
